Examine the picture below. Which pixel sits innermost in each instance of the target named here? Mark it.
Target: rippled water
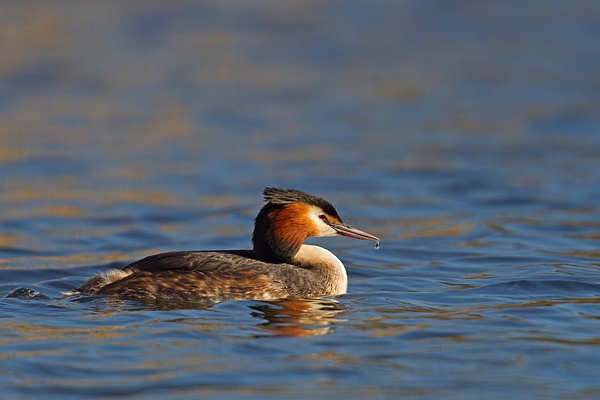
(464, 134)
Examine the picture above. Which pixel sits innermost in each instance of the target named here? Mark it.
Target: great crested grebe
(279, 266)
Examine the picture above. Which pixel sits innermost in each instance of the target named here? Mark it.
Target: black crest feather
(278, 196)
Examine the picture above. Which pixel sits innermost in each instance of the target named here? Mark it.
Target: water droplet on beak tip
(377, 245)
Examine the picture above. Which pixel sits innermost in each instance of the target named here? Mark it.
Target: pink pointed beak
(346, 230)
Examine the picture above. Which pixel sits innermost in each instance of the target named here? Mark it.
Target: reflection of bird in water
(287, 317)
(279, 266)
(303, 317)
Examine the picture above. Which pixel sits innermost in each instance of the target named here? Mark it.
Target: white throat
(311, 255)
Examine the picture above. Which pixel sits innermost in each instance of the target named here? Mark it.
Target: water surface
(463, 134)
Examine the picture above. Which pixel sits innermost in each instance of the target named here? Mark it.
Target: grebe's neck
(280, 231)
(322, 261)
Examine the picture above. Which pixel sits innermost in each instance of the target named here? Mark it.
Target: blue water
(464, 134)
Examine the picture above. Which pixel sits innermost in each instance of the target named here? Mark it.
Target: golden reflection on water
(10, 239)
(10, 155)
(41, 332)
(299, 318)
(21, 192)
(31, 28)
(71, 260)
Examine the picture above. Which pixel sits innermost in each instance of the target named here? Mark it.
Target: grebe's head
(289, 217)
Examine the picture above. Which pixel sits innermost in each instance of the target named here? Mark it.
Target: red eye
(322, 216)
